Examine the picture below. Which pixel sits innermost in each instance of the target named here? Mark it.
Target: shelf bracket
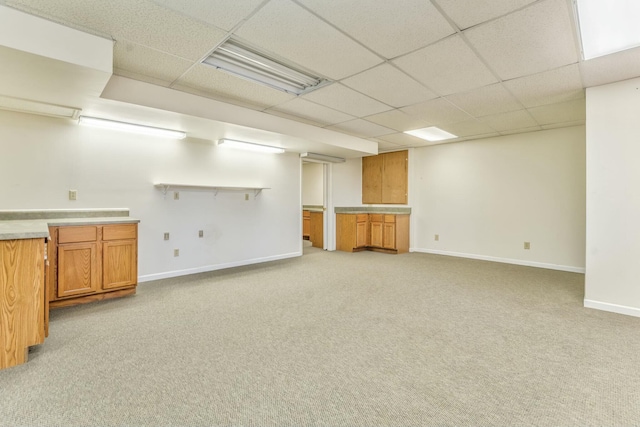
(164, 190)
(258, 191)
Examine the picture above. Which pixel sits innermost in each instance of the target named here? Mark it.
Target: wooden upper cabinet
(372, 179)
(385, 178)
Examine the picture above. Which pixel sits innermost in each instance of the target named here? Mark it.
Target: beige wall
(312, 184)
(485, 198)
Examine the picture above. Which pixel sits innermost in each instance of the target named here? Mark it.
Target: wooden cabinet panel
(77, 234)
(372, 179)
(376, 234)
(78, 269)
(379, 232)
(389, 235)
(119, 266)
(395, 177)
(385, 178)
(306, 224)
(362, 234)
(316, 228)
(119, 232)
(22, 299)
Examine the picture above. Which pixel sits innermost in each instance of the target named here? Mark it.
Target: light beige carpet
(337, 339)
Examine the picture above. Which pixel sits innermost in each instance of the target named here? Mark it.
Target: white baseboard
(503, 260)
(206, 268)
(613, 308)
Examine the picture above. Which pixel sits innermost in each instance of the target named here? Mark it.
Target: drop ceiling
(475, 69)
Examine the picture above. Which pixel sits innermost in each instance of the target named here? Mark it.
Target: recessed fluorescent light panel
(607, 26)
(251, 64)
(321, 158)
(432, 134)
(131, 127)
(249, 146)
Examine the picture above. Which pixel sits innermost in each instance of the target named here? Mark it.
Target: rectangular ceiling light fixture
(321, 158)
(249, 63)
(607, 26)
(131, 127)
(432, 134)
(249, 146)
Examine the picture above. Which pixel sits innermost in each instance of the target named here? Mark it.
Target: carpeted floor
(337, 339)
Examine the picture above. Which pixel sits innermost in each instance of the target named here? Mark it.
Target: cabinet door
(376, 234)
(316, 233)
(361, 234)
(372, 179)
(389, 236)
(78, 269)
(306, 224)
(395, 177)
(119, 264)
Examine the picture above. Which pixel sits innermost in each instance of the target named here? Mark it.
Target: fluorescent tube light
(607, 26)
(249, 146)
(248, 63)
(36, 107)
(131, 127)
(322, 158)
(431, 134)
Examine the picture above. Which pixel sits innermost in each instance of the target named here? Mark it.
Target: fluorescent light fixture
(36, 107)
(607, 26)
(249, 146)
(249, 63)
(321, 158)
(131, 127)
(431, 134)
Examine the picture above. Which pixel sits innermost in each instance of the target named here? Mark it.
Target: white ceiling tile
(465, 16)
(437, 112)
(549, 87)
(209, 10)
(362, 128)
(149, 64)
(611, 68)
(398, 89)
(389, 28)
(308, 110)
(447, 67)
(521, 130)
(564, 125)
(486, 100)
(404, 140)
(469, 128)
(347, 100)
(139, 21)
(570, 111)
(290, 31)
(219, 84)
(520, 119)
(398, 120)
(537, 38)
(293, 117)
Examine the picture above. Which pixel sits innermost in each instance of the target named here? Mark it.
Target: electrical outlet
(166, 236)
(436, 237)
(176, 195)
(73, 194)
(201, 233)
(176, 252)
(527, 245)
(246, 196)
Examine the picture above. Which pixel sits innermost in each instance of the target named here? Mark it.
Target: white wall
(613, 197)
(485, 198)
(312, 184)
(42, 158)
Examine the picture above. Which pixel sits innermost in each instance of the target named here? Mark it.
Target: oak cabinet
(93, 262)
(378, 232)
(306, 224)
(385, 178)
(316, 229)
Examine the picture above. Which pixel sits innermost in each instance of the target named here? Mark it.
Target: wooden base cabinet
(376, 232)
(92, 262)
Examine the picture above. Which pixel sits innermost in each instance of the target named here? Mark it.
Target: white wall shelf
(164, 187)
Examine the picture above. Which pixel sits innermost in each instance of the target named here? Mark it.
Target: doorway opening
(315, 204)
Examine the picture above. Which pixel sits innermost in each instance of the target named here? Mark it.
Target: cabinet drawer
(77, 234)
(389, 218)
(376, 217)
(362, 217)
(119, 232)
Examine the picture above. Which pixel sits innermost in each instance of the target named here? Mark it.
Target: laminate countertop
(373, 210)
(35, 224)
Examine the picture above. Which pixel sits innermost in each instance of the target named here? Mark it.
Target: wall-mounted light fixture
(249, 146)
(321, 158)
(131, 127)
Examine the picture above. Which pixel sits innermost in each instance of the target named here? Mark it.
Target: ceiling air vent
(249, 63)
